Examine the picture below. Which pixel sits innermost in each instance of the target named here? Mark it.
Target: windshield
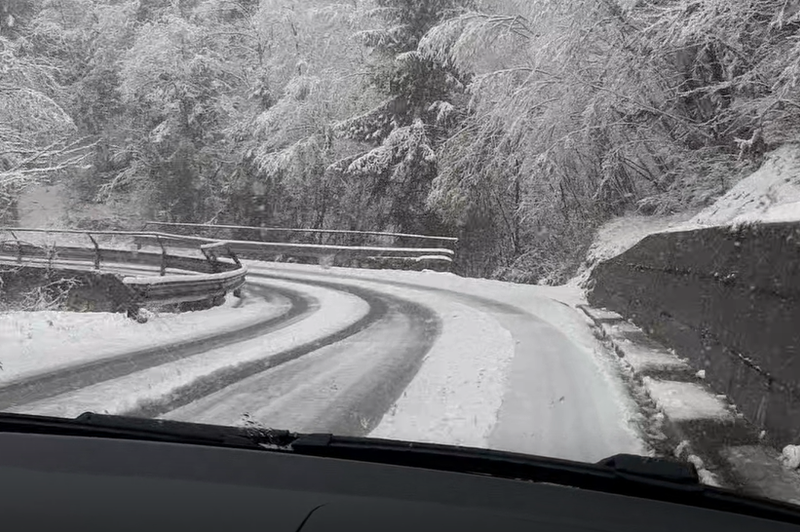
(564, 228)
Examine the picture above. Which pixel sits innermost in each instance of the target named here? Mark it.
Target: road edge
(727, 450)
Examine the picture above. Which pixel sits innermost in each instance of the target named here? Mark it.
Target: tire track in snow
(73, 378)
(426, 328)
(402, 361)
(344, 388)
(558, 402)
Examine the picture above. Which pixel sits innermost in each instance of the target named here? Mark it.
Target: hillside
(770, 194)
(520, 127)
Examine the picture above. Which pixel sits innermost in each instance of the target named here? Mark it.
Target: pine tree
(421, 98)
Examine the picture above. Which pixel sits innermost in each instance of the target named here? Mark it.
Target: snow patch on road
(458, 391)
(35, 342)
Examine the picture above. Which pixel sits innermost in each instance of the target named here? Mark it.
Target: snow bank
(34, 342)
(771, 194)
(790, 456)
(641, 358)
(621, 234)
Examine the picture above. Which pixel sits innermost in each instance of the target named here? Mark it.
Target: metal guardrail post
(233, 256)
(96, 251)
(51, 254)
(211, 257)
(163, 256)
(19, 246)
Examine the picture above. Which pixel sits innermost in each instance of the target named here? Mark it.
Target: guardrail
(441, 241)
(210, 278)
(441, 258)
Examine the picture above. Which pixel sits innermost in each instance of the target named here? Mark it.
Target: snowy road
(417, 356)
(509, 379)
(344, 387)
(291, 306)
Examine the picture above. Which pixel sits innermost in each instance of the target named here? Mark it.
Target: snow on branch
(372, 126)
(460, 40)
(381, 37)
(403, 149)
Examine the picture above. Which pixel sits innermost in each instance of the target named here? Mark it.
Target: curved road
(382, 387)
(343, 387)
(54, 383)
(559, 398)
(556, 398)
(369, 378)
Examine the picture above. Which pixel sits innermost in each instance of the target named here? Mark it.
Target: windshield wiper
(629, 475)
(500, 463)
(120, 427)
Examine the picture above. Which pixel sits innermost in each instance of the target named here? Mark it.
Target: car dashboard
(89, 483)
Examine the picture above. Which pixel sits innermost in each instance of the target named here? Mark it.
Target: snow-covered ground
(515, 366)
(457, 394)
(553, 304)
(686, 400)
(770, 194)
(34, 342)
(622, 233)
(42, 206)
(337, 311)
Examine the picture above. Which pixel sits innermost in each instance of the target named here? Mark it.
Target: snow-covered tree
(14, 16)
(304, 76)
(176, 87)
(420, 106)
(37, 136)
(586, 108)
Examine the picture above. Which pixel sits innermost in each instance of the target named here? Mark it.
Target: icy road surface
(406, 355)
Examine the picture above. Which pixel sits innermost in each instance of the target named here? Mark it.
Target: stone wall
(726, 299)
